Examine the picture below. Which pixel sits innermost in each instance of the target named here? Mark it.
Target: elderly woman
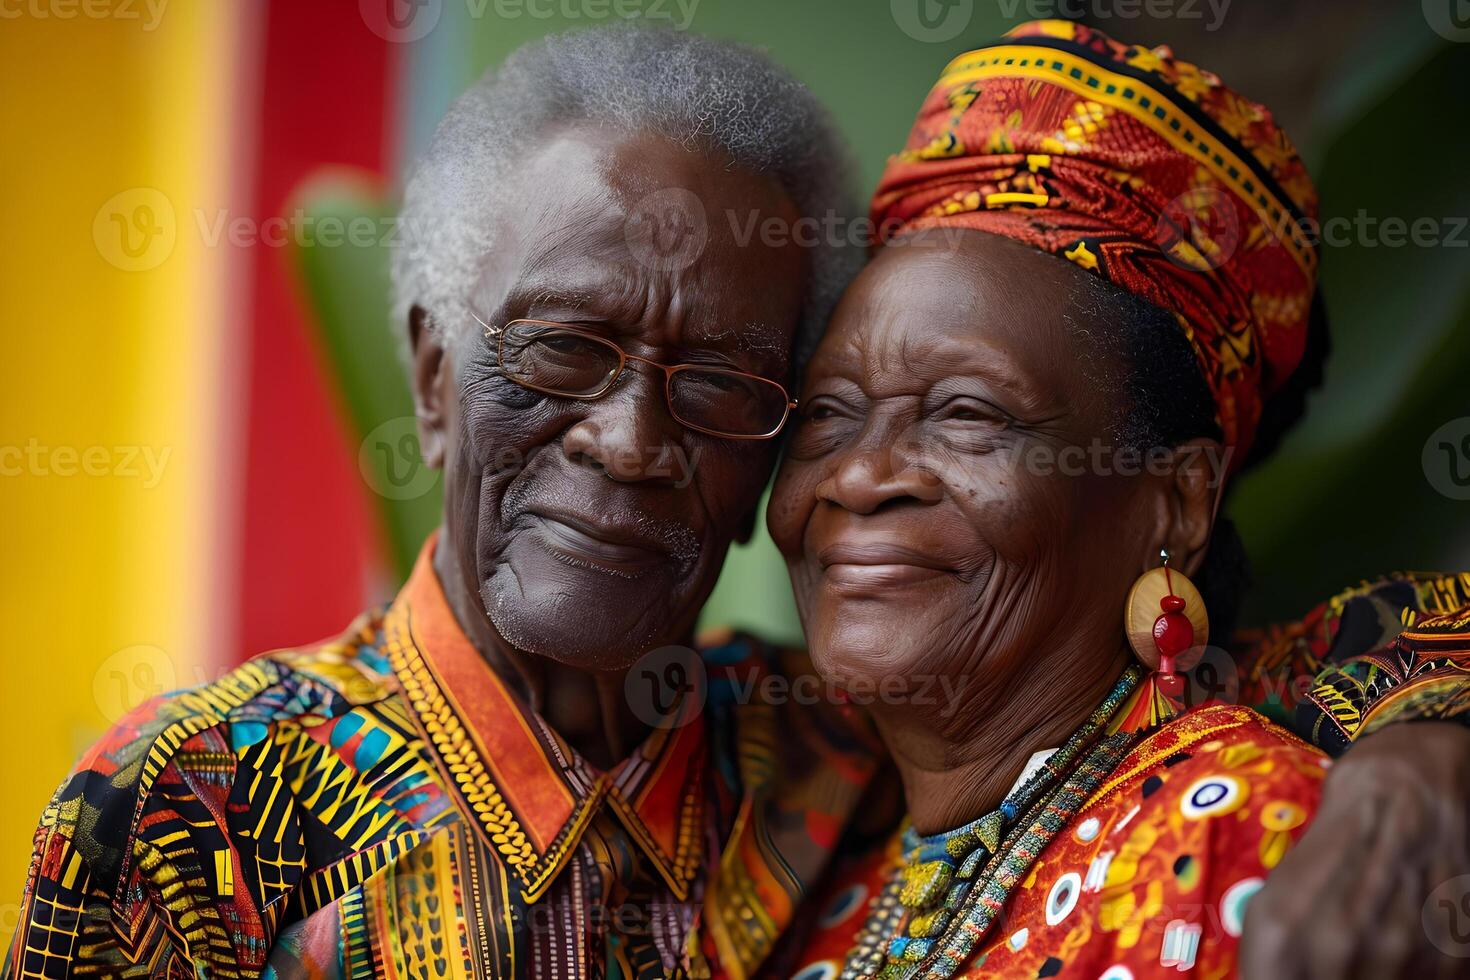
(1006, 474)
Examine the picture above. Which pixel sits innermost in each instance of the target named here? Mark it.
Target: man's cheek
(729, 485)
(462, 500)
(500, 422)
(683, 465)
(492, 448)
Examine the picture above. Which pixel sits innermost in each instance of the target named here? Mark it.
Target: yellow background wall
(107, 567)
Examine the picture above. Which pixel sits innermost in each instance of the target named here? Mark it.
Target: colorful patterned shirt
(1148, 880)
(1152, 877)
(385, 805)
(1390, 650)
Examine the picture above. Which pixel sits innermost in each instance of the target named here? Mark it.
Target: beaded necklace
(945, 897)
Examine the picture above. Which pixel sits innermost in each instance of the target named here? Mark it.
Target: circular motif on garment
(1212, 796)
(846, 902)
(825, 970)
(1186, 871)
(1087, 829)
(1017, 942)
(1116, 972)
(1281, 815)
(1062, 898)
(1233, 902)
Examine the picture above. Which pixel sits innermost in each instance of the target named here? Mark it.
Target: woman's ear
(1195, 490)
(429, 374)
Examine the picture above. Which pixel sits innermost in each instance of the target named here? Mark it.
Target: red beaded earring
(1164, 616)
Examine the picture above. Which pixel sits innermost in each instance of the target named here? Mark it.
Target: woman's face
(948, 506)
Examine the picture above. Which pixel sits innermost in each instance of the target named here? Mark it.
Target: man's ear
(429, 375)
(1193, 488)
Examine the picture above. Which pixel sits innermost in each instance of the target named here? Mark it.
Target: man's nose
(629, 434)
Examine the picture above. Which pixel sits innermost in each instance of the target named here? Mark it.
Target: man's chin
(581, 617)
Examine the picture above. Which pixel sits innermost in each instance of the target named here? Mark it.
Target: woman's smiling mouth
(871, 567)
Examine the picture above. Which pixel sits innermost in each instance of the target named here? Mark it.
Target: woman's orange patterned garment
(1149, 879)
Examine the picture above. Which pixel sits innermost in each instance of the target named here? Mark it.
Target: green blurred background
(1368, 91)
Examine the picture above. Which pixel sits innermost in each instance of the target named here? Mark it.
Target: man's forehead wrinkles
(569, 296)
(752, 336)
(577, 279)
(598, 236)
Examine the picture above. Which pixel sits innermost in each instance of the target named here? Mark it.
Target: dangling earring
(1164, 616)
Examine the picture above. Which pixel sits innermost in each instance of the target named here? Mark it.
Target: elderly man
(471, 782)
(459, 786)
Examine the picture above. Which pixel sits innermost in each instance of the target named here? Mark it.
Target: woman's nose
(881, 472)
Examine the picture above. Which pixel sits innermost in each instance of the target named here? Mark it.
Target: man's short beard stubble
(683, 545)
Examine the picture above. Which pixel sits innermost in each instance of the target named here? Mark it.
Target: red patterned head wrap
(1136, 166)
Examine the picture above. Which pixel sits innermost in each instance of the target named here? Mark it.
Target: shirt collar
(527, 790)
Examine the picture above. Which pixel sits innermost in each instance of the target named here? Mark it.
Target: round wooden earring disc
(1142, 608)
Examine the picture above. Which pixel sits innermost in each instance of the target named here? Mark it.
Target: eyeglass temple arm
(489, 330)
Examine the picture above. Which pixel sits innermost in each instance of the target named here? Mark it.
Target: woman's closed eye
(824, 408)
(968, 409)
(967, 424)
(823, 423)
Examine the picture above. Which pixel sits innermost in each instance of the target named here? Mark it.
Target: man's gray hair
(698, 92)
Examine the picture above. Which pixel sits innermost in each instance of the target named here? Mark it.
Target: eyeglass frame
(669, 370)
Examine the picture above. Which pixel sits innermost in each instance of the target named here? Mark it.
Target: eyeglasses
(570, 363)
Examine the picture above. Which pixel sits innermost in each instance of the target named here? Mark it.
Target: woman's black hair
(1164, 401)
